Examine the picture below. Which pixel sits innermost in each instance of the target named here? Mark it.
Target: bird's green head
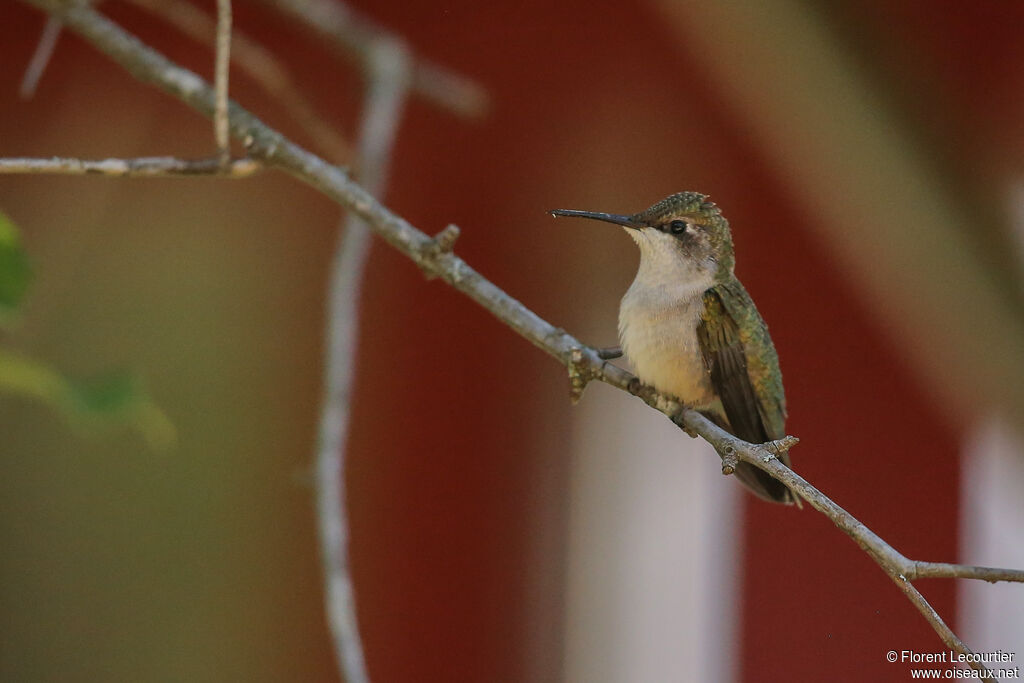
(685, 227)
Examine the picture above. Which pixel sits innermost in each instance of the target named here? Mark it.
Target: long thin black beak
(625, 221)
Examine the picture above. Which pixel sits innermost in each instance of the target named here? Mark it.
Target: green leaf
(106, 395)
(113, 400)
(14, 269)
(22, 375)
(118, 398)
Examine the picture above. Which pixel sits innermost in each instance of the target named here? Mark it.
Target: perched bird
(690, 329)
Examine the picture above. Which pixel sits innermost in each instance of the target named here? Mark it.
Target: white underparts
(658, 319)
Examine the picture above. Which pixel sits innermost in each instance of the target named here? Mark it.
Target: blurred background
(869, 157)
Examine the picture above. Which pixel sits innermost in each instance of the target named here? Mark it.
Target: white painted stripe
(992, 514)
(654, 570)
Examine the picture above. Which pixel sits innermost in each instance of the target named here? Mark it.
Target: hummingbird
(689, 328)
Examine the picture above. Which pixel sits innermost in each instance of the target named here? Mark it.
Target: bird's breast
(658, 333)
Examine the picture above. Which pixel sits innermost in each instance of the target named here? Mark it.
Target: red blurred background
(202, 564)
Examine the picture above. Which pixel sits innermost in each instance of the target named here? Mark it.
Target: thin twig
(274, 149)
(938, 625)
(222, 65)
(388, 75)
(943, 570)
(259, 64)
(138, 167)
(355, 35)
(40, 58)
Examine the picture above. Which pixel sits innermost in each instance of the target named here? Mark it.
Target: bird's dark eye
(677, 227)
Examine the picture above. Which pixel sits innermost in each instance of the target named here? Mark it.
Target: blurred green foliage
(14, 270)
(113, 400)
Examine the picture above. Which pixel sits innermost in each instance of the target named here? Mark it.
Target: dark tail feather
(764, 485)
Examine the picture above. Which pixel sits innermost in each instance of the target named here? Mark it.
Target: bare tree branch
(139, 167)
(388, 72)
(40, 58)
(943, 570)
(934, 620)
(259, 64)
(355, 35)
(222, 65)
(435, 258)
